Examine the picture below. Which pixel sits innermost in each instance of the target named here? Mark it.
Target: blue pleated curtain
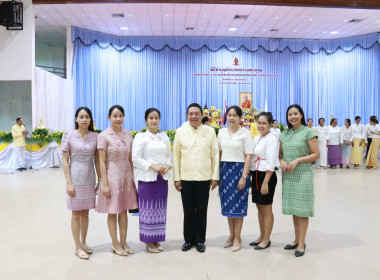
(326, 77)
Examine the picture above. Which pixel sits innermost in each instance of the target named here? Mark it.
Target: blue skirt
(234, 202)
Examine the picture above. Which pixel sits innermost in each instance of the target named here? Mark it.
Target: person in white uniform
(275, 131)
(323, 142)
(346, 147)
(334, 155)
(357, 142)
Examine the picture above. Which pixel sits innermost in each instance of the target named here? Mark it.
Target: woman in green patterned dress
(298, 148)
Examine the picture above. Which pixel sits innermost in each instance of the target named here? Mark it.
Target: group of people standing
(344, 145)
(199, 162)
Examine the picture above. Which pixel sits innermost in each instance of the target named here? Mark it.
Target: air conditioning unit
(11, 15)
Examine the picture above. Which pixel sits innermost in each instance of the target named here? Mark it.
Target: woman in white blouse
(323, 143)
(346, 133)
(357, 142)
(235, 146)
(276, 133)
(151, 154)
(368, 128)
(264, 178)
(374, 132)
(334, 156)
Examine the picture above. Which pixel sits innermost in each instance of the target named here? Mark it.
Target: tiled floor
(342, 242)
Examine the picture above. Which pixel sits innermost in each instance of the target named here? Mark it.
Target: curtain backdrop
(52, 101)
(326, 77)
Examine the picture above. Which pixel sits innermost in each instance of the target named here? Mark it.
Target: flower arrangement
(282, 127)
(6, 137)
(97, 130)
(56, 135)
(134, 132)
(170, 134)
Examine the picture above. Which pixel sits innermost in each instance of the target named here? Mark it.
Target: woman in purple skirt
(152, 155)
(334, 154)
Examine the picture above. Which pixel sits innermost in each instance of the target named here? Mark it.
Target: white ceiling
(206, 19)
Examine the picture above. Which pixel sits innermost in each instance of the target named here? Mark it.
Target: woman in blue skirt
(235, 146)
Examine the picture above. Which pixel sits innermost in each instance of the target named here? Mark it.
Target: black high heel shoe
(299, 253)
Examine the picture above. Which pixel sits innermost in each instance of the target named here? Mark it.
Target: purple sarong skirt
(334, 155)
(153, 198)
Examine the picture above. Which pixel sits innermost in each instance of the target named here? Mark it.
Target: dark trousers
(195, 196)
(369, 140)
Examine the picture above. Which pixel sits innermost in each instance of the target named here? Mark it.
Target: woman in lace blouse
(152, 155)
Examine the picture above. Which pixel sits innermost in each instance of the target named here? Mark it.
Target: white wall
(17, 48)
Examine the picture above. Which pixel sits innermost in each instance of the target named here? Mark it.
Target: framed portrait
(245, 100)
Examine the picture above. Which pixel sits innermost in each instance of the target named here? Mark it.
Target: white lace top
(148, 149)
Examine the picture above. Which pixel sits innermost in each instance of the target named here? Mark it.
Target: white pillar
(17, 60)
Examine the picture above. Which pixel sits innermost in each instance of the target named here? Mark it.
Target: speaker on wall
(11, 15)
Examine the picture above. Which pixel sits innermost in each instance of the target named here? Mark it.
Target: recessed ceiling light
(167, 15)
(345, 20)
(93, 15)
(134, 28)
(130, 15)
(44, 16)
(311, 19)
(204, 16)
(324, 32)
(276, 17)
(167, 28)
(232, 29)
(263, 29)
(295, 31)
(124, 28)
(334, 32)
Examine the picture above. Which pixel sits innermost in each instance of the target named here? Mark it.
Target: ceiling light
(134, 28)
(204, 16)
(345, 20)
(232, 29)
(324, 32)
(353, 33)
(44, 16)
(130, 15)
(334, 32)
(167, 15)
(124, 28)
(311, 19)
(263, 29)
(93, 15)
(276, 17)
(295, 31)
(167, 28)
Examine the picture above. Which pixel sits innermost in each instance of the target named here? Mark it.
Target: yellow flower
(212, 108)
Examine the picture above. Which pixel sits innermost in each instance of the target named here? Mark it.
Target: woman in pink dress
(79, 156)
(117, 189)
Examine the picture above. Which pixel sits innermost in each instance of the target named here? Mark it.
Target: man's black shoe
(186, 246)
(201, 247)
